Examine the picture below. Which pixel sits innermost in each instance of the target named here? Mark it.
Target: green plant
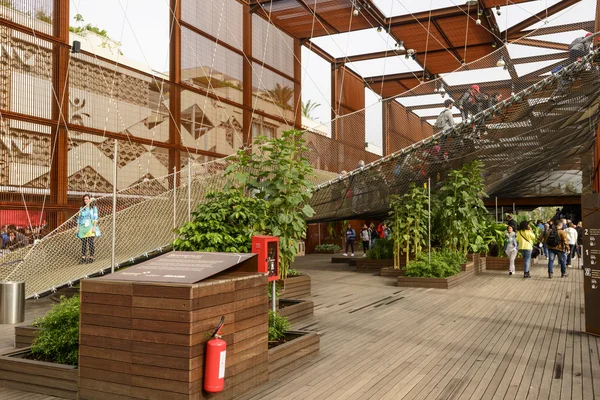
(489, 233)
(459, 207)
(278, 326)
(107, 41)
(277, 172)
(293, 272)
(444, 263)
(327, 247)
(409, 221)
(58, 338)
(281, 95)
(382, 249)
(225, 223)
(331, 230)
(309, 107)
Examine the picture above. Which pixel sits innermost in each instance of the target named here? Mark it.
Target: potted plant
(295, 285)
(445, 269)
(327, 248)
(379, 256)
(288, 349)
(49, 366)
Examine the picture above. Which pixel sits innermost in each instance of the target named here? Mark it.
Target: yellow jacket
(525, 239)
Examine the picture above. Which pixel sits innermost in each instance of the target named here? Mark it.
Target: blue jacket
(350, 234)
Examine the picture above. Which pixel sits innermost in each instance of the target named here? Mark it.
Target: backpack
(553, 239)
(439, 122)
(374, 234)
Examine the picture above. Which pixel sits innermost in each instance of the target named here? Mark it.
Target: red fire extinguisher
(214, 367)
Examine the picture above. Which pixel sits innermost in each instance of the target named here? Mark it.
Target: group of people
(560, 240)
(368, 236)
(14, 238)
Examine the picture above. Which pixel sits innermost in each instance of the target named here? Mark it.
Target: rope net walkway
(519, 139)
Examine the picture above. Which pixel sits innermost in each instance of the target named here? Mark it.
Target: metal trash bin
(12, 302)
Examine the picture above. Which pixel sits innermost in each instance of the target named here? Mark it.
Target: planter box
(327, 251)
(501, 264)
(285, 358)
(295, 287)
(368, 265)
(295, 310)
(467, 272)
(37, 376)
(391, 272)
(24, 336)
(344, 260)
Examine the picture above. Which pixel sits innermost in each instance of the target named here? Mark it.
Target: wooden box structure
(146, 340)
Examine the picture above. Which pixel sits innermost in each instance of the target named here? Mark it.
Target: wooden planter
(327, 251)
(295, 287)
(285, 358)
(467, 272)
(24, 336)
(391, 272)
(295, 310)
(368, 265)
(344, 260)
(502, 263)
(37, 376)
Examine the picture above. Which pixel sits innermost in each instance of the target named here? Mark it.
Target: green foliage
(43, 16)
(444, 263)
(327, 247)
(382, 249)
(459, 208)
(489, 233)
(58, 338)
(277, 173)
(409, 222)
(225, 223)
(278, 326)
(107, 42)
(281, 95)
(309, 107)
(293, 272)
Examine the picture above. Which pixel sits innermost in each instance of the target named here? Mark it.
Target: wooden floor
(497, 337)
(33, 309)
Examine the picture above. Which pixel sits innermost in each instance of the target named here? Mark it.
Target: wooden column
(175, 91)
(297, 84)
(247, 76)
(60, 111)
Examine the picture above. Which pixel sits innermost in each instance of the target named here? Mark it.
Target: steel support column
(297, 84)
(60, 109)
(175, 91)
(247, 76)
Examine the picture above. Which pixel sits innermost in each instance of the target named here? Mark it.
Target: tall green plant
(460, 210)
(277, 172)
(225, 223)
(409, 220)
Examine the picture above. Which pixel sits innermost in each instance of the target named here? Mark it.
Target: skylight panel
(392, 8)
(355, 43)
(476, 76)
(517, 51)
(585, 10)
(528, 68)
(561, 37)
(384, 66)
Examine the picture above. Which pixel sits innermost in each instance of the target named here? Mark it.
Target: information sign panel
(591, 261)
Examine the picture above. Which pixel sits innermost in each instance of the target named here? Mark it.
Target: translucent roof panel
(421, 100)
(356, 42)
(513, 14)
(528, 68)
(427, 112)
(384, 66)
(477, 75)
(391, 8)
(561, 37)
(584, 10)
(517, 51)
(373, 118)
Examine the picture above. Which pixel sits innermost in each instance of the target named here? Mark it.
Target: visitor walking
(374, 234)
(87, 224)
(365, 236)
(510, 221)
(572, 242)
(446, 118)
(556, 240)
(510, 248)
(525, 238)
(542, 236)
(350, 236)
(580, 242)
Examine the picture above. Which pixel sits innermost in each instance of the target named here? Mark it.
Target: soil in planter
(288, 337)
(287, 303)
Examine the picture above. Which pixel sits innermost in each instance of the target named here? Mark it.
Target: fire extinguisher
(214, 367)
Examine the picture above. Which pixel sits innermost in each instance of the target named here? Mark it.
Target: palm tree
(282, 95)
(309, 107)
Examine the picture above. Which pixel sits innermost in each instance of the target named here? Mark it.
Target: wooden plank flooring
(495, 337)
(33, 309)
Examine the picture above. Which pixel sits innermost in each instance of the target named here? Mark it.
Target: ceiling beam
(318, 51)
(322, 20)
(425, 15)
(541, 43)
(449, 45)
(545, 57)
(491, 20)
(394, 77)
(548, 30)
(540, 16)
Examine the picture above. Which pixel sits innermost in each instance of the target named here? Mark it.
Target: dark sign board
(184, 267)
(591, 261)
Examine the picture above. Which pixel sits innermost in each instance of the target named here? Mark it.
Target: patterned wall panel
(274, 94)
(220, 19)
(273, 46)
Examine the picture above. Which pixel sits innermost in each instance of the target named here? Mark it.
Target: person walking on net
(510, 248)
(87, 229)
(446, 118)
(556, 240)
(350, 236)
(578, 49)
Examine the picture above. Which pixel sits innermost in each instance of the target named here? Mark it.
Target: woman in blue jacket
(350, 236)
(87, 229)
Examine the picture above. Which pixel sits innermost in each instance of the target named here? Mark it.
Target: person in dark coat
(510, 221)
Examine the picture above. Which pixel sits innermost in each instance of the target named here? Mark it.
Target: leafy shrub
(278, 326)
(444, 263)
(382, 249)
(327, 247)
(225, 223)
(293, 272)
(58, 338)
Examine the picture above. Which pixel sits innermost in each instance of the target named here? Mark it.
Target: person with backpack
(525, 238)
(446, 118)
(374, 234)
(365, 236)
(350, 236)
(580, 47)
(556, 240)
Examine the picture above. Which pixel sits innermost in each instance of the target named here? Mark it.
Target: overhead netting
(530, 142)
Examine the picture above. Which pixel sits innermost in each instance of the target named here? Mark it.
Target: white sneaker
(345, 254)
(364, 255)
(352, 255)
